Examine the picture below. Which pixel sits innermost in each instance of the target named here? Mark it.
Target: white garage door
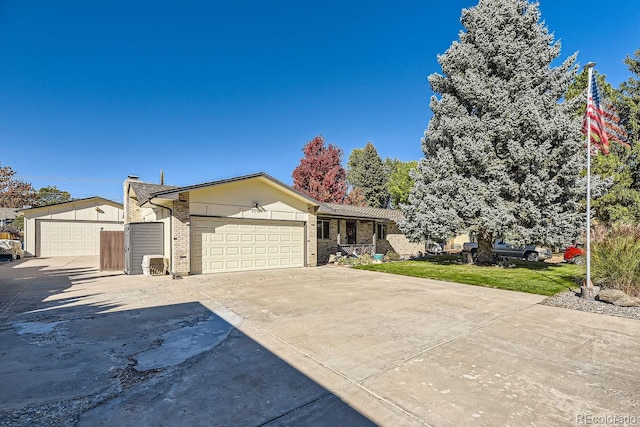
(223, 245)
(64, 238)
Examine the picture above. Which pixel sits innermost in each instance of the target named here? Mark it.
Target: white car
(11, 249)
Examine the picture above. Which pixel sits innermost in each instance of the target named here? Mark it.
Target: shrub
(392, 255)
(615, 258)
(363, 259)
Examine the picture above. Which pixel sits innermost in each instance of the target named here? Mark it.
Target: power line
(44, 178)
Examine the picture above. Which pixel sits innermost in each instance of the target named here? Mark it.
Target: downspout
(170, 230)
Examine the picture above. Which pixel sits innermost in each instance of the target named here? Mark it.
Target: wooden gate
(111, 250)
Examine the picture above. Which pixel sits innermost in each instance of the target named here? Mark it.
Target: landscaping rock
(619, 298)
(589, 292)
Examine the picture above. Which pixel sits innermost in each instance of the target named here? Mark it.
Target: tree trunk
(485, 250)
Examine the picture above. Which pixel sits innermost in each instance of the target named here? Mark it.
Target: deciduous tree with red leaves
(320, 173)
(13, 192)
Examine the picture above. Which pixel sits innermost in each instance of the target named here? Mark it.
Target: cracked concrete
(313, 346)
(182, 344)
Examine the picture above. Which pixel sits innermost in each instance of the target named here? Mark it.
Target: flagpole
(589, 66)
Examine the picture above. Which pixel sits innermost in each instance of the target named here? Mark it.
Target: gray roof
(143, 189)
(71, 202)
(8, 213)
(335, 209)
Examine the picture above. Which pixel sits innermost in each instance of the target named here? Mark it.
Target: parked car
(434, 248)
(507, 250)
(11, 249)
(575, 254)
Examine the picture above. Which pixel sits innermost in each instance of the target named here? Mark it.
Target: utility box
(140, 239)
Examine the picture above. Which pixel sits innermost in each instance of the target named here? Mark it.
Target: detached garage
(71, 228)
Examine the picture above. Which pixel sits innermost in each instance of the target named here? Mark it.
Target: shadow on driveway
(69, 354)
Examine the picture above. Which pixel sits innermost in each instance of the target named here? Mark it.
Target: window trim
(381, 231)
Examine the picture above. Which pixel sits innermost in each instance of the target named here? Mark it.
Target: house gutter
(170, 228)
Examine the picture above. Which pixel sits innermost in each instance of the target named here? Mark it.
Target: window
(381, 232)
(323, 229)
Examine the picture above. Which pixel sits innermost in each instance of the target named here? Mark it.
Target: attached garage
(252, 222)
(71, 228)
(224, 245)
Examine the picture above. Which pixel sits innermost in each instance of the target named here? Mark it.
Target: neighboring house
(7, 215)
(255, 222)
(70, 228)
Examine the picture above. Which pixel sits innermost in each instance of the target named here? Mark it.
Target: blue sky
(92, 91)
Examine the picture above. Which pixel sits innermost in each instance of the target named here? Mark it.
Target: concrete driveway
(310, 346)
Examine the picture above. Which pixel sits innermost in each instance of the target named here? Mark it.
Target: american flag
(603, 119)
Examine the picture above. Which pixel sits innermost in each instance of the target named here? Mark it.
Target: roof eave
(173, 193)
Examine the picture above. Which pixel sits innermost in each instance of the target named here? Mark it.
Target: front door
(351, 232)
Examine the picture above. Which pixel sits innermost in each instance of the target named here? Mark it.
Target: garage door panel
(245, 245)
(70, 238)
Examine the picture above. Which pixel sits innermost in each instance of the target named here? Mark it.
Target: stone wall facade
(326, 247)
(181, 236)
(364, 236)
(312, 242)
(132, 213)
(395, 239)
(398, 242)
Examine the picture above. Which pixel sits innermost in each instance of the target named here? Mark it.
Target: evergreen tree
(366, 171)
(502, 155)
(320, 173)
(629, 109)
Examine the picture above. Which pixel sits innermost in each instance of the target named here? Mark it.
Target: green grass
(532, 277)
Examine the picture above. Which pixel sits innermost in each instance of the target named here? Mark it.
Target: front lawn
(532, 277)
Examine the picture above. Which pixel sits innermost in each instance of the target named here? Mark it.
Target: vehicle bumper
(543, 256)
